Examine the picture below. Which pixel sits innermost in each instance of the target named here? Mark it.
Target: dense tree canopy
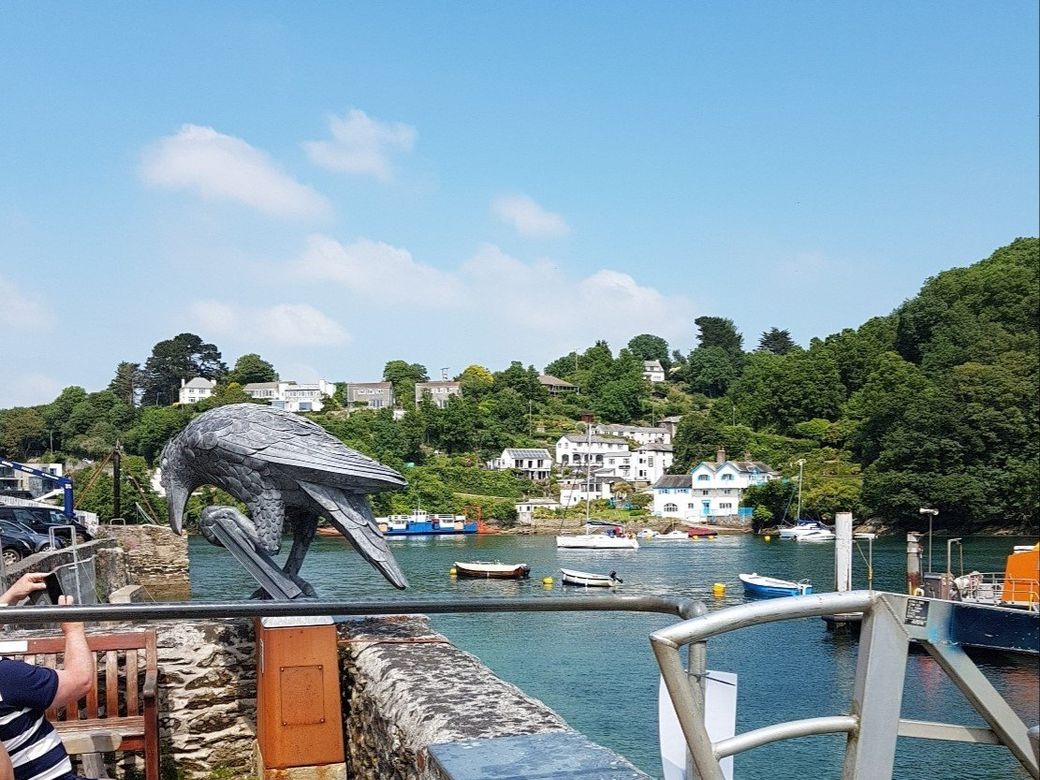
(252, 368)
(183, 357)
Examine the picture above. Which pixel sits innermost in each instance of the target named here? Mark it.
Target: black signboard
(917, 612)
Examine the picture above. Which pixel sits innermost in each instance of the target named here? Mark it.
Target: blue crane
(63, 482)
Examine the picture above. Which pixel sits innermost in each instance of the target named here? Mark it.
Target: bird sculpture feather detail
(282, 467)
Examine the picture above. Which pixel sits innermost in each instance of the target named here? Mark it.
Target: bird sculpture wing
(301, 447)
(351, 514)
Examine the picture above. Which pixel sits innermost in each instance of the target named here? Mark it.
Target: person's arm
(26, 585)
(6, 770)
(77, 678)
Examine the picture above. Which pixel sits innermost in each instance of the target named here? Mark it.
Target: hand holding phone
(53, 587)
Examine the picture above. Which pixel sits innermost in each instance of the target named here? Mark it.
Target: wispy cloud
(224, 168)
(374, 270)
(20, 310)
(528, 218)
(284, 324)
(361, 144)
(495, 295)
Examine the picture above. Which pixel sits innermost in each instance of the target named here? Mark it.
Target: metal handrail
(194, 610)
(874, 722)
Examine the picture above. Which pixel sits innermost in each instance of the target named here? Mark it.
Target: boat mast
(798, 515)
(588, 471)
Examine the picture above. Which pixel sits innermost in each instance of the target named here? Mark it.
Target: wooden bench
(121, 702)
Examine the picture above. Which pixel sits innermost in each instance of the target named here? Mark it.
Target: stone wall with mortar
(156, 557)
(406, 688)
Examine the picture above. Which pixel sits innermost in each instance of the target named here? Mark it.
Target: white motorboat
(673, 536)
(585, 579)
(805, 529)
(647, 533)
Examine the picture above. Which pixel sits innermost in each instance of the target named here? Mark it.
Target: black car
(18, 541)
(41, 519)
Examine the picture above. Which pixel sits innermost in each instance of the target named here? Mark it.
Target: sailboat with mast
(607, 535)
(805, 530)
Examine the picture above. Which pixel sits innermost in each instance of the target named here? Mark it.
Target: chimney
(183, 381)
(720, 456)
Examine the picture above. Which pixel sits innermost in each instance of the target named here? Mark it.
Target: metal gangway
(873, 724)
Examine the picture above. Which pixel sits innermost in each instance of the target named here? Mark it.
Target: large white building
(532, 463)
(577, 450)
(650, 462)
(574, 490)
(710, 490)
(642, 434)
(290, 396)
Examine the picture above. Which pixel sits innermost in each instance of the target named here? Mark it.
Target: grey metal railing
(890, 621)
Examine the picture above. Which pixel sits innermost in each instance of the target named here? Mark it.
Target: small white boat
(759, 585)
(486, 570)
(807, 528)
(587, 579)
(647, 533)
(673, 536)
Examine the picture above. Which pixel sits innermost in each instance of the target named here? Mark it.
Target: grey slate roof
(551, 381)
(583, 438)
(200, 382)
(523, 453)
(673, 481)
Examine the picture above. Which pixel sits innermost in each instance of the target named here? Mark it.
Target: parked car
(41, 519)
(18, 541)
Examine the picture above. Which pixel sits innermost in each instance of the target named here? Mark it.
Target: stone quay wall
(157, 558)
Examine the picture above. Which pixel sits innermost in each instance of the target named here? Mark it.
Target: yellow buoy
(695, 538)
(718, 589)
(767, 538)
(453, 571)
(547, 581)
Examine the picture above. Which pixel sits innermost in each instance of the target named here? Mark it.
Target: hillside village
(932, 406)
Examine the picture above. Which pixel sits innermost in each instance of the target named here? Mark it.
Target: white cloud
(284, 324)
(361, 144)
(20, 311)
(222, 167)
(528, 218)
(374, 270)
(492, 297)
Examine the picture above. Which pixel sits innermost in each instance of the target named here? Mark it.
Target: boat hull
(770, 587)
(584, 579)
(596, 542)
(492, 571)
(430, 529)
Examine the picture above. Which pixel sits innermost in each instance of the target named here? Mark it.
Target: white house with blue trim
(710, 490)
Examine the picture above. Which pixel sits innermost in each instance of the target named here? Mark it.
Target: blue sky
(335, 186)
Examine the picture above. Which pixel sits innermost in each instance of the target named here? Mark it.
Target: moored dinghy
(758, 585)
(587, 579)
(487, 570)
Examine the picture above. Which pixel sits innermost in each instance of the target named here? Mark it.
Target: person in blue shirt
(26, 691)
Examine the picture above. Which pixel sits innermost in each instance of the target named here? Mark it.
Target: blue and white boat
(420, 523)
(759, 585)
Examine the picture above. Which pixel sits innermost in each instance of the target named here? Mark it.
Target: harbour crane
(60, 482)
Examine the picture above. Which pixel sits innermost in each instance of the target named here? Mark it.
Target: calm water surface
(597, 669)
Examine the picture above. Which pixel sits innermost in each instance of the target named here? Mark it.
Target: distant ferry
(420, 523)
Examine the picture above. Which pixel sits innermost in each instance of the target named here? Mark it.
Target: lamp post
(931, 516)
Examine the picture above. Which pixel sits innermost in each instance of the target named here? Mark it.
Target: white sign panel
(720, 706)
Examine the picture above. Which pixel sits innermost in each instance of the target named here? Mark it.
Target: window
(727, 477)
(671, 508)
(691, 506)
(703, 478)
(726, 505)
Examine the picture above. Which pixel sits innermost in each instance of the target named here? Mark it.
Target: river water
(597, 669)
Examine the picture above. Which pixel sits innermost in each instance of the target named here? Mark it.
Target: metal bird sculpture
(282, 467)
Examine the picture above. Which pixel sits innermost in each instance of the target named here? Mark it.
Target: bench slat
(131, 682)
(111, 684)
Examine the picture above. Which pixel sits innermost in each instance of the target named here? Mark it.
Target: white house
(574, 490)
(710, 490)
(195, 390)
(642, 434)
(653, 371)
(525, 509)
(290, 396)
(531, 463)
(650, 462)
(576, 450)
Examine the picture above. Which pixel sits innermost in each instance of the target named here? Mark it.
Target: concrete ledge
(559, 755)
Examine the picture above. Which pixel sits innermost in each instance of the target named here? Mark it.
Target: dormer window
(727, 477)
(703, 478)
